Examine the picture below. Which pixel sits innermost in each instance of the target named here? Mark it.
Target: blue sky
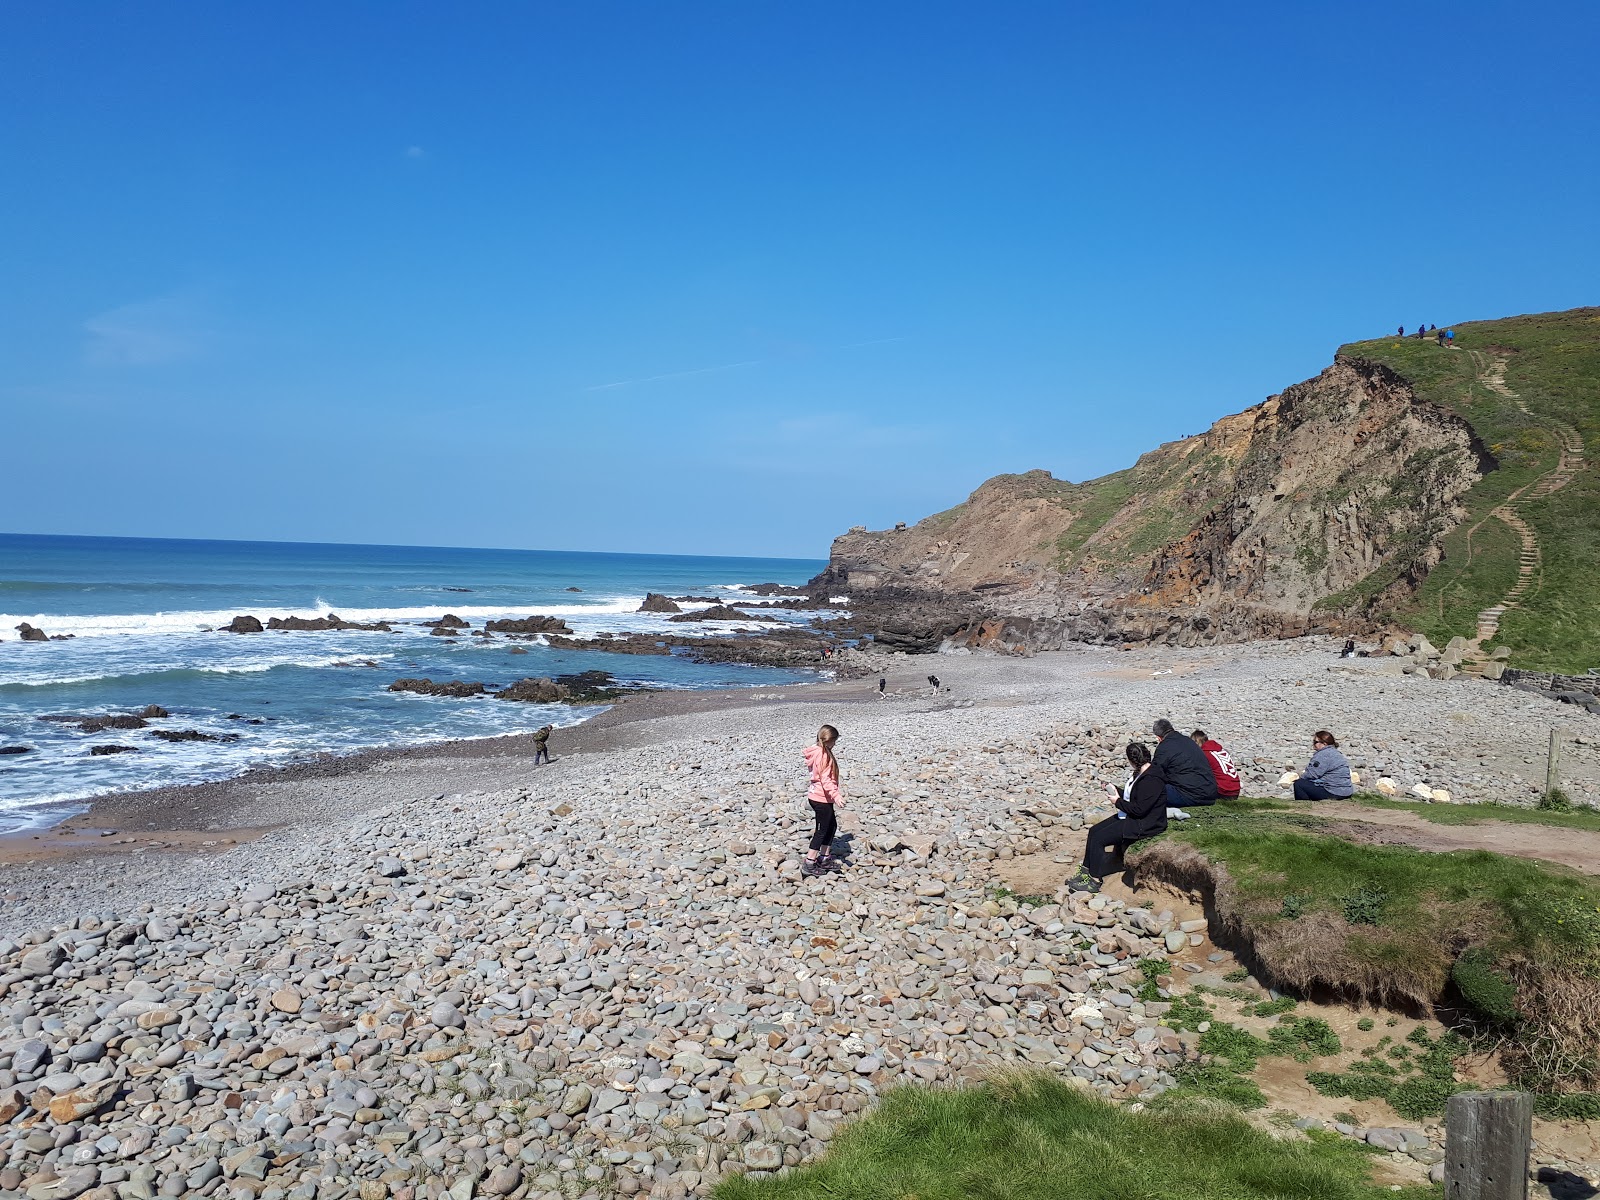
(729, 277)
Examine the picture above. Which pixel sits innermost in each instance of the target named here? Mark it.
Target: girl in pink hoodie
(823, 795)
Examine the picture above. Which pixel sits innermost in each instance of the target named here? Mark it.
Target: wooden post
(1552, 766)
(1488, 1136)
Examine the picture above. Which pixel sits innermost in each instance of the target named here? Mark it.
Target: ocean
(141, 612)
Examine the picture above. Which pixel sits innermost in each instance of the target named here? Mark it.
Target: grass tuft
(1032, 1137)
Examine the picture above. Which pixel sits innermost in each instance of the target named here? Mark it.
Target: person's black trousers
(827, 824)
(1102, 855)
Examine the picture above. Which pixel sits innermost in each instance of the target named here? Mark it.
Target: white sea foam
(198, 620)
(43, 676)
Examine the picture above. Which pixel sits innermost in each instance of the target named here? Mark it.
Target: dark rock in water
(112, 721)
(62, 637)
(30, 634)
(534, 691)
(16, 749)
(153, 712)
(586, 687)
(444, 631)
(448, 621)
(97, 750)
(427, 687)
(657, 603)
(519, 650)
(721, 612)
(192, 735)
(776, 589)
(574, 589)
(696, 599)
(528, 625)
(242, 624)
(455, 589)
(331, 621)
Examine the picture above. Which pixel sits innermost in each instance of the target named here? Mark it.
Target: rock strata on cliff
(1300, 513)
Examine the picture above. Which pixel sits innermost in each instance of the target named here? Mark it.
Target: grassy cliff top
(1525, 384)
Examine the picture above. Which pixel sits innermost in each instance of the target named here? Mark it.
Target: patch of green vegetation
(1555, 801)
(1033, 1137)
(1574, 1106)
(1271, 1008)
(1237, 975)
(1365, 1024)
(1417, 1089)
(1188, 1011)
(1000, 893)
(1552, 364)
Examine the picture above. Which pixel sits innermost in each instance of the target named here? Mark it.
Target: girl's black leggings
(826, 825)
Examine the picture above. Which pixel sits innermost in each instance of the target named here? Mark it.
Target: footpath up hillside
(1519, 569)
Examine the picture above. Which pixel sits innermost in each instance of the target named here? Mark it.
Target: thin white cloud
(415, 152)
(146, 333)
(622, 383)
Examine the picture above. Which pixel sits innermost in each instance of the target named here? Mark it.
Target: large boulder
(242, 624)
(427, 687)
(30, 634)
(528, 625)
(655, 602)
(321, 624)
(448, 621)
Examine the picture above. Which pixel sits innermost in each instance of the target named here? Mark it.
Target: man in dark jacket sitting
(1185, 768)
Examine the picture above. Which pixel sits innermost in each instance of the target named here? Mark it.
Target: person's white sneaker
(1177, 814)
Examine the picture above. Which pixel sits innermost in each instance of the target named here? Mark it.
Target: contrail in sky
(605, 387)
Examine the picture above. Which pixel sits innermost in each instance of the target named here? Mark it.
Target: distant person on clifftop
(541, 744)
(823, 795)
(1141, 813)
(1450, 336)
(1184, 768)
(1401, 332)
(1222, 768)
(1327, 775)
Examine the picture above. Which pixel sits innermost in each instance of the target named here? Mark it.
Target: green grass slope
(1552, 364)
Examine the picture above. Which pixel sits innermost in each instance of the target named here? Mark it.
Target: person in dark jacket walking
(1327, 775)
(1185, 769)
(541, 744)
(1141, 813)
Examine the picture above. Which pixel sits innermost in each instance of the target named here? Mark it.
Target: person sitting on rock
(1222, 768)
(1327, 775)
(1185, 768)
(541, 744)
(1141, 813)
(823, 795)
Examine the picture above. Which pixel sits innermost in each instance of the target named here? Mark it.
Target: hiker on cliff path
(1327, 775)
(823, 795)
(1185, 769)
(1141, 813)
(1222, 768)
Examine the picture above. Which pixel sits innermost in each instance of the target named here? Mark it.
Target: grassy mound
(1517, 940)
(1032, 1137)
(1552, 364)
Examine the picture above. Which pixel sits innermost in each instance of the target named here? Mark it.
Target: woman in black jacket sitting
(1141, 813)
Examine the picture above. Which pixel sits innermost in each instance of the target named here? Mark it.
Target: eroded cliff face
(1309, 508)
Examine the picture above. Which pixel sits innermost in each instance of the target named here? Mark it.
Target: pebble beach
(446, 973)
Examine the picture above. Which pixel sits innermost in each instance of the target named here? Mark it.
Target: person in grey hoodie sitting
(1327, 775)
(1185, 768)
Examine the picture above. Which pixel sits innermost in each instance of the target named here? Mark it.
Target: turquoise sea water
(141, 611)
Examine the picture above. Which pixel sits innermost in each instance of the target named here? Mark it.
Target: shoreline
(218, 814)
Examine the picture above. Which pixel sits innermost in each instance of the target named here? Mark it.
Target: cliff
(1328, 506)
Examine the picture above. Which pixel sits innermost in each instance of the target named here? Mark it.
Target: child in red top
(1221, 766)
(823, 795)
